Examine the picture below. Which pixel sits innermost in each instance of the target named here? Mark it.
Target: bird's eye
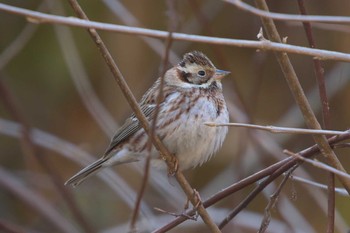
(201, 73)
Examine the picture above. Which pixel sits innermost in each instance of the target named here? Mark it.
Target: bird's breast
(181, 125)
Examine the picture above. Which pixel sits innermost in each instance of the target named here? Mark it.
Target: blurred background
(61, 88)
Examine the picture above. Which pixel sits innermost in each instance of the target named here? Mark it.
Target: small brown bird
(192, 95)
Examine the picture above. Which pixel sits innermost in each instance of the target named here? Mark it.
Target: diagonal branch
(271, 171)
(300, 98)
(143, 121)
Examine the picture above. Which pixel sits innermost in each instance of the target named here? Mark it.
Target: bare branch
(300, 98)
(319, 164)
(276, 129)
(319, 72)
(288, 17)
(272, 202)
(160, 97)
(272, 171)
(166, 155)
(340, 191)
(37, 17)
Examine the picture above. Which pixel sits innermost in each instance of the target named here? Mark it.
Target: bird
(192, 95)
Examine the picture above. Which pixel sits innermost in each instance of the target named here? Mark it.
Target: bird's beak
(220, 74)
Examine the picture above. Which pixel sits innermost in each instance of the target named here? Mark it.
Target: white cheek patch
(189, 69)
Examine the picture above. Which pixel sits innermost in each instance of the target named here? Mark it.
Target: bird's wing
(130, 127)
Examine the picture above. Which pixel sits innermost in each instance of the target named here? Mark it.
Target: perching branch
(168, 158)
(160, 97)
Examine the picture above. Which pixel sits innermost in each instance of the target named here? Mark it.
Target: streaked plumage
(192, 96)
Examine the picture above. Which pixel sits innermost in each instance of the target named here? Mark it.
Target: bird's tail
(85, 173)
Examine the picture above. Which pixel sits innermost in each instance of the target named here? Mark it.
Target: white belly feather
(190, 140)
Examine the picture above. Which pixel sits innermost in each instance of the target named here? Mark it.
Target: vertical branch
(299, 96)
(319, 72)
(160, 96)
(318, 68)
(331, 203)
(273, 200)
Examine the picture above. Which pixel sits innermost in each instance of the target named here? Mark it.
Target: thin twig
(143, 121)
(288, 17)
(325, 26)
(281, 166)
(194, 218)
(276, 129)
(331, 203)
(339, 191)
(126, 16)
(319, 71)
(318, 164)
(37, 17)
(256, 191)
(318, 68)
(160, 97)
(272, 202)
(300, 98)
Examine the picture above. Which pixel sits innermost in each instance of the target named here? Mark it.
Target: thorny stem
(142, 119)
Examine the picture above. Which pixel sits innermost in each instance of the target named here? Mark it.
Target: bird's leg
(198, 201)
(174, 166)
(197, 198)
(194, 217)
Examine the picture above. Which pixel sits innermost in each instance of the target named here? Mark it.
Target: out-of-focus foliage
(39, 78)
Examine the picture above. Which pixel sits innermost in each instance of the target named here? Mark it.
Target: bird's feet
(189, 214)
(197, 200)
(174, 166)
